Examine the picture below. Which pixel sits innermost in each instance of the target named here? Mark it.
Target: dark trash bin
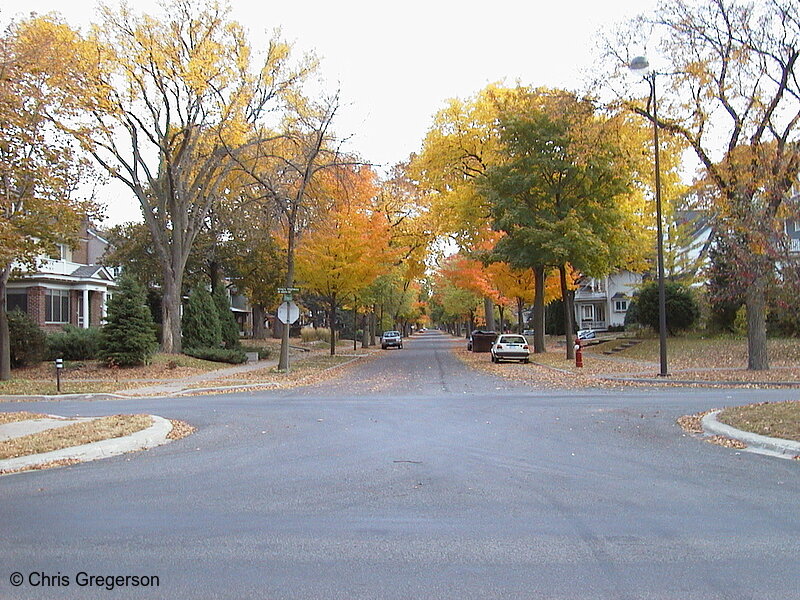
(482, 340)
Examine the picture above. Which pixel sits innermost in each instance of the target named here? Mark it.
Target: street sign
(288, 290)
(288, 312)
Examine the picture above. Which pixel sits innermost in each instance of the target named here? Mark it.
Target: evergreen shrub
(129, 336)
(74, 343)
(28, 343)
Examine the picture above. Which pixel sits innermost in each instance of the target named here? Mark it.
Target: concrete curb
(759, 444)
(155, 435)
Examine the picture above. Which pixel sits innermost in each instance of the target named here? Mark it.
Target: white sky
(397, 63)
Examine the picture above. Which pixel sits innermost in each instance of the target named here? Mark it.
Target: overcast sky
(396, 63)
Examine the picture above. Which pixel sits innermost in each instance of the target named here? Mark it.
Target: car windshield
(392, 334)
(513, 339)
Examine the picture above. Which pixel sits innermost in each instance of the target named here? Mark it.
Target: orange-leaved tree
(347, 249)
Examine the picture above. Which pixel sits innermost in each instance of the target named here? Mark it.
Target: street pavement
(412, 477)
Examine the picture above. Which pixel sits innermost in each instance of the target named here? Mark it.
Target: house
(601, 303)
(68, 288)
(793, 235)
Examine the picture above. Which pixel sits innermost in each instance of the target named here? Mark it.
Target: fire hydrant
(578, 353)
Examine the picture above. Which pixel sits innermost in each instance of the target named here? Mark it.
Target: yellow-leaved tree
(40, 167)
(173, 101)
(347, 249)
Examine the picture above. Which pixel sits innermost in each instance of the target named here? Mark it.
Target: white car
(391, 339)
(511, 347)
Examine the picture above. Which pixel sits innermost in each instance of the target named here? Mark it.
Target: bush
(129, 336)
(74, 343)
(233, 356)
(681, 307)
(28, 343)
(200, 324)
(229, 328)
(313, 334)
(263, 351)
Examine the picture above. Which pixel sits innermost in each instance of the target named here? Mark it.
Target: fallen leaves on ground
(308, 369)
(721, 440)
(65, 462)
(15, 417)
(693, 423)
(772, 419)
(77, 434)
(180, 430)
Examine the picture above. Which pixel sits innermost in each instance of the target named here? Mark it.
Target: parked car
(391, 339)
(586, 334)
(511, 347)
(528, 332)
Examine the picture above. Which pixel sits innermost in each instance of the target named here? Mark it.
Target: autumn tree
(292, 173)
(460, 145)
(729, 88)
(565, 194)
(40, 169)
(346, 250)
(173, 98)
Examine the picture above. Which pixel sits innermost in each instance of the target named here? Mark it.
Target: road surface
(412, 477)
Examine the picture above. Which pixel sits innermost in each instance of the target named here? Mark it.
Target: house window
(588, 313)
(17, 300)
(56, 306)
(620, 305)
(62, 252)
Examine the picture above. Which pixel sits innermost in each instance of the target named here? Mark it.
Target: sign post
(288, 313)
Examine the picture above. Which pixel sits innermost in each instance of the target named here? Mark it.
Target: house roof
(92, 272)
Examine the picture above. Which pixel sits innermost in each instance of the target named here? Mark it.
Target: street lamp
(640, 64)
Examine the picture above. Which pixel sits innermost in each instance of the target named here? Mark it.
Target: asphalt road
(414, 478)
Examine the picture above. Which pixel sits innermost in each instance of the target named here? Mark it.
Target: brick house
(70, 288)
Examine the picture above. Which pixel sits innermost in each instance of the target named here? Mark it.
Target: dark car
(485, 339)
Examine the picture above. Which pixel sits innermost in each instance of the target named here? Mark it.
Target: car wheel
(383, 347)
(526, 360)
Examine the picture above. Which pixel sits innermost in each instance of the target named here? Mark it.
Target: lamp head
(639, 63)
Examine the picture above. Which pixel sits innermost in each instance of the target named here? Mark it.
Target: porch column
(86, 309)
(103, 306)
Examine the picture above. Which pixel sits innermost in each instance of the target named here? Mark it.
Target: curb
(153, 436)
(759, 444)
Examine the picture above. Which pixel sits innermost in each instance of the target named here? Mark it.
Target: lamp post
(640, 64)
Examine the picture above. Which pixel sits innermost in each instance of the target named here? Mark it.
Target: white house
(601, 303)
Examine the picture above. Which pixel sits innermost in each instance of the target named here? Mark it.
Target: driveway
(413, 477)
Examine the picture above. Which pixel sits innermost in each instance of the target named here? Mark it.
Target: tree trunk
(502, 310)
(5, 337)
(538, 311)
(755, 301)
(365, 330)
(520, 322)
(488, 309)
(171, 314)
(372, 326)
(259, 314)
(566, 297)
(355, 325)
(332, 318)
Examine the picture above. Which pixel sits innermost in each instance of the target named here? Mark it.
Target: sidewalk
(155, 435)
(177, 386)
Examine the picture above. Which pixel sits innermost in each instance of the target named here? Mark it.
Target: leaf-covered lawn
(76, 434)
(773, 419)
